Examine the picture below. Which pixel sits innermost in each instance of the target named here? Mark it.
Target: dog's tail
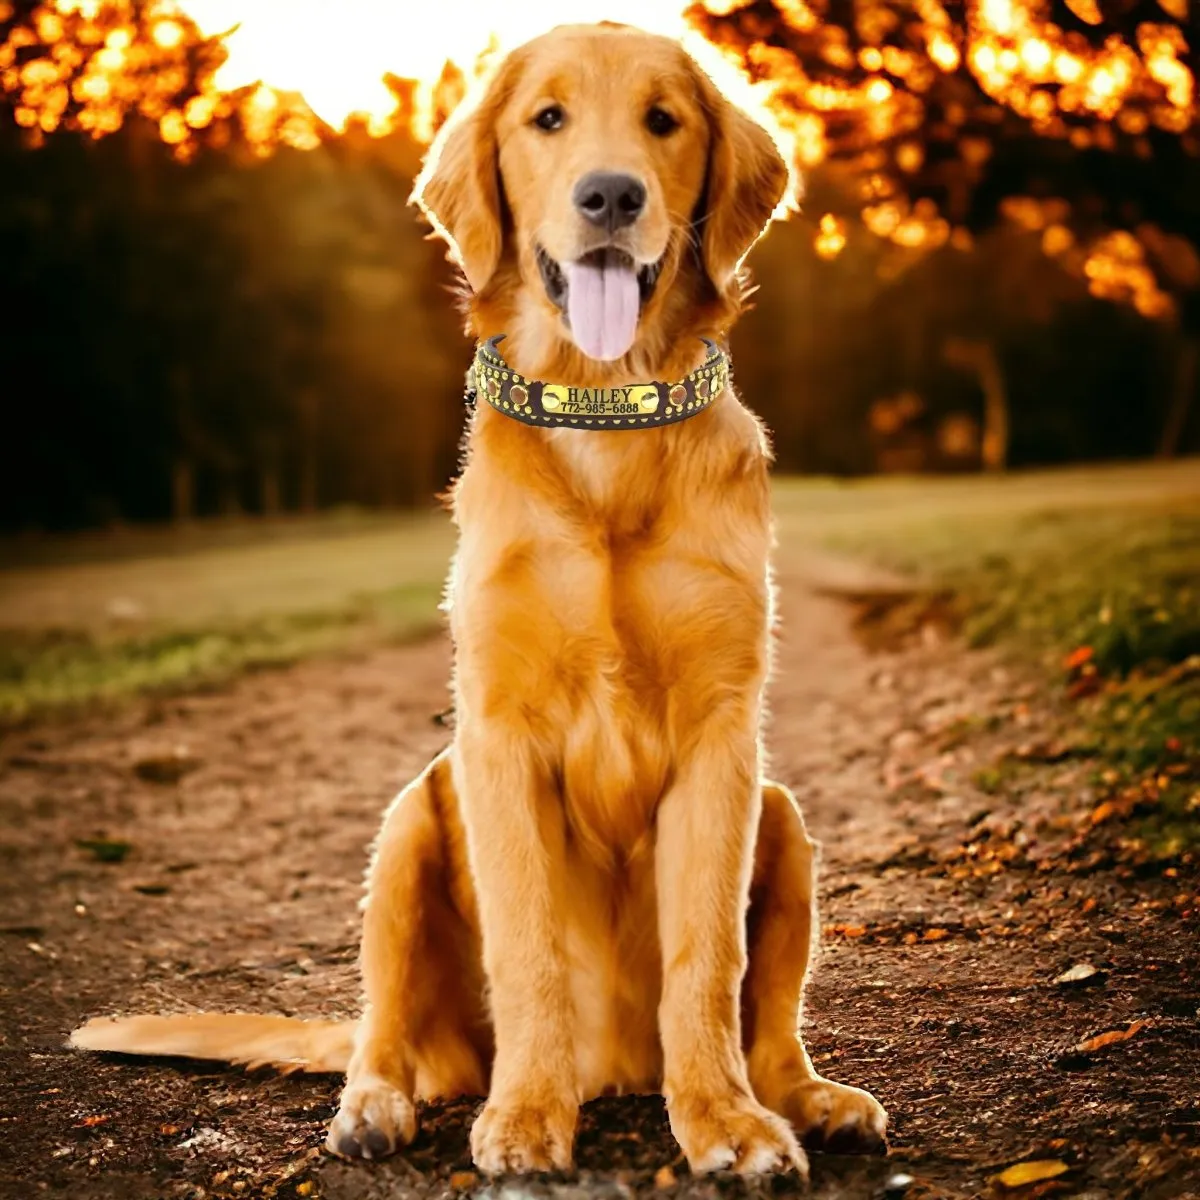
(288, 1043)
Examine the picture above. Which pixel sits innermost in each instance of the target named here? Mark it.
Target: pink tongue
(602, 306)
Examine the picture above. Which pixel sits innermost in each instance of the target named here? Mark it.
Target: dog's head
(599, 166)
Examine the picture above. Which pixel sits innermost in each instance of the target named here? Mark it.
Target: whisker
(692, 228)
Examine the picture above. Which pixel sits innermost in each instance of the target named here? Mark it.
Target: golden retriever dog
(594, 889)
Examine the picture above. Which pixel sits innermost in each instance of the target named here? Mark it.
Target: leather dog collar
(536, 402)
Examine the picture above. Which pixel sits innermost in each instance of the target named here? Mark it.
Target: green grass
(167, 613)
(1092, 575)
(1125, 582)
(1046, 562)
(1040, 562)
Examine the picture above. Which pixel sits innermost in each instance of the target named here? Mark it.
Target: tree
(227, 302)
(223, 304)
(926, 124)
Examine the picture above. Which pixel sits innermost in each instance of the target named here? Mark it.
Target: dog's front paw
(733, 1132)
(373, 1120)
(518, 1137)
(836, 1118)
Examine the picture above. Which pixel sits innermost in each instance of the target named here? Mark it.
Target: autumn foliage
(972, 172)
(920, 122)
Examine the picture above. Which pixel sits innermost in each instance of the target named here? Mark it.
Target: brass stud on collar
(660, 403)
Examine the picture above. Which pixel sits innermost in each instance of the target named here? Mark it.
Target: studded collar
(630, 407)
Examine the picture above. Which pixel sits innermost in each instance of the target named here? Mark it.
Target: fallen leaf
(105, 851)
(664, 1178)
(461, 1180)
(89, 1122)
(1022, 1174)
(1086, 686)
(1077, 658)
(170, 767)
(1105, 810)
(1107, 1039)
(847, 931)
(1078, 974)
(1051, 751)
(935, 935)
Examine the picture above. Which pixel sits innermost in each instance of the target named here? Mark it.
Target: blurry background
(233, 362)
(218, 303)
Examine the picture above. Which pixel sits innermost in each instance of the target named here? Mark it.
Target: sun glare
(296, 72)
(340, 66)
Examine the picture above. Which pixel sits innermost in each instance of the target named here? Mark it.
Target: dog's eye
(660, 122)
(550, 118)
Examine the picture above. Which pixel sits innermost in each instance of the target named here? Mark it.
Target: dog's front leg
(706, 831)
(518, 857)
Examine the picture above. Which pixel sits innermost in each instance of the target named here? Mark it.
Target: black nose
(609, 199)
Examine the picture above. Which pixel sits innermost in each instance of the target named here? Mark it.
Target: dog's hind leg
(827, 1116)
(424, 1032)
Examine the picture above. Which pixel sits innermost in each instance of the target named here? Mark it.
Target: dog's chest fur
(607, 594)
(608, 598)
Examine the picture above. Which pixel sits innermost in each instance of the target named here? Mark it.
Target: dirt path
(935, 987)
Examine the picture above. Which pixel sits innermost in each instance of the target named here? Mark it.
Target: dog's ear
(459, 187)
(747, 178)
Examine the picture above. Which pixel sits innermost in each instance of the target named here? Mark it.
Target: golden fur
(593, 889)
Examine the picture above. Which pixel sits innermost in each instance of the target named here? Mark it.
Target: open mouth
(601, 296)
(554, 279)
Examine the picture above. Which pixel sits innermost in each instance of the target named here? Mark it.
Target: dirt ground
(236, 823)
